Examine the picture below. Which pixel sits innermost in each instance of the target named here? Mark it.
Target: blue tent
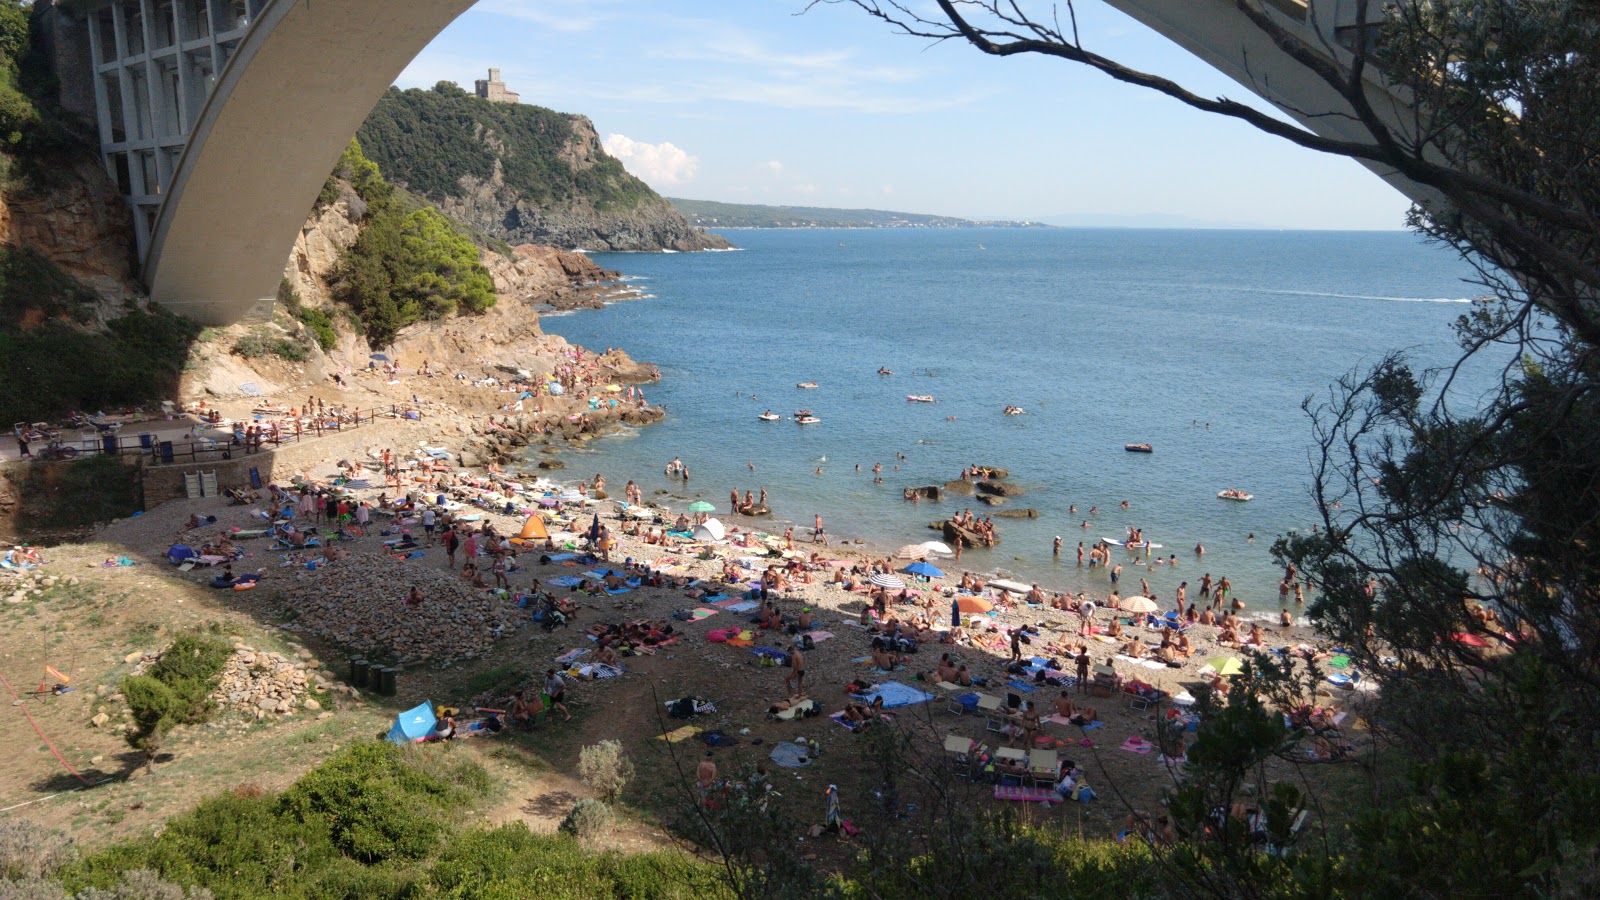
(177, 553)
(414, 724)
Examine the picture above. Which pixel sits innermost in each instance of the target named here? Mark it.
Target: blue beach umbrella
(379, 357)
(926, 570)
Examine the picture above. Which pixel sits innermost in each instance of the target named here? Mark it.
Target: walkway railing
(184, 452)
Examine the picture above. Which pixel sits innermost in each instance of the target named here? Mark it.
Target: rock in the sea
(552, 464)
(999, 488)
(1029, 513)
(991, 499)
(959, 486)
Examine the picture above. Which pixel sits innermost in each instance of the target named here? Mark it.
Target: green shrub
(407, 266)
(77, 494)
(155, 709)
(605, 768)
(588, 819)
(510, 862)
(376, 805)
(288, 296)
(321, 325)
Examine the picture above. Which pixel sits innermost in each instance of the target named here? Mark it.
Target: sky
(763, 101)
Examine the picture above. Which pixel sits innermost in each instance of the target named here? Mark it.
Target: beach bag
(681, 709)
(807, 643)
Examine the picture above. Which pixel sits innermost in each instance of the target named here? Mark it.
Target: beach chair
(959, 750)
(994, 710)
(1043, 766)
(1139, 702)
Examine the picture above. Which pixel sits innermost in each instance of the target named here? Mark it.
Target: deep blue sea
(1202, 343)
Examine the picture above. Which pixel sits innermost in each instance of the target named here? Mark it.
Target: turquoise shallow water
(1104, 336)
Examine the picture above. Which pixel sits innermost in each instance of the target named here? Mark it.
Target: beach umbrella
(700, 506)
(379, 357)
(1226, 665)
(547, 501)
(927, 570)
(936, 547)
(709, 530)
(887, 582)
(911, 551)
(556, 390)
(1138, 605)
(973, 604)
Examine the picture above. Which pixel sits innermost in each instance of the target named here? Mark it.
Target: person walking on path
(555, 693)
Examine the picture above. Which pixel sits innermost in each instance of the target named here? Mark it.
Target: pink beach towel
(1137, 745)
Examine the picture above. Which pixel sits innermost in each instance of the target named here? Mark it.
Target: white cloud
(774, 165)
(805, 188)
(657, 164)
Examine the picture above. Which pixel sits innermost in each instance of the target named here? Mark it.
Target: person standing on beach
(733, 502)
(1083, 671)
(1056, 549)
(1182, 590)
(452, 541)
(429, 522)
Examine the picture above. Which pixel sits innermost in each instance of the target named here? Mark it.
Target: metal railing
(185, 452)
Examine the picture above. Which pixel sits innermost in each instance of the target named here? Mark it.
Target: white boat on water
(1235, 494)
(806, 420)
(919, 398)
(806, 384)
(770, 417)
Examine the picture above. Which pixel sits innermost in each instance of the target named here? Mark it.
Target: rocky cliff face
(78, 220)
(490, 206)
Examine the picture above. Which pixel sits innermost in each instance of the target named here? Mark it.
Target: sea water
(1202, 343)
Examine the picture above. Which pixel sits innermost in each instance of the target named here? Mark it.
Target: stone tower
(494, 90)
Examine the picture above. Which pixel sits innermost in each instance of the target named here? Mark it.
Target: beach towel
(895, 694)
(790, 755)
(696, 615)
(571, 655)
(741, 642)
(717, 739)
(615, 591)
(1137, 745)
(740, 606)
(601, 670)
(724, 604)
(714, 599)
(1340, 662)
(799, 710)
(839, 717)
(1026, 795)
(563, 557)
(772, 653)
(1022, 686)
(680, 734)
(566, 581)
(818, 637)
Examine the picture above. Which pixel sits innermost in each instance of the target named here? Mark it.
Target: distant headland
(710, 213)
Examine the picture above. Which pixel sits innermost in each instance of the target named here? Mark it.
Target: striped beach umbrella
(887, 582)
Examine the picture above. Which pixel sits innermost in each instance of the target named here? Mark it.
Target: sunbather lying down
(778, 706)
(863, 712)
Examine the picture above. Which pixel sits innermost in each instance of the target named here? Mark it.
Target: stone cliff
(75, 218)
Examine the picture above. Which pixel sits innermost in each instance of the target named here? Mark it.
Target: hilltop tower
(494, 90)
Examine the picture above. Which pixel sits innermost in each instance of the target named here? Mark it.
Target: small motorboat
(801, 412)
(770, 416)
(1235, 494)
(806, 384)
(884, 371)
(806, 420)
(1138, 448)
(919, 398)
(1014, 411)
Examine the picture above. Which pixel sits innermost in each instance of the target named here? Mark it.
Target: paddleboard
(1137, 546)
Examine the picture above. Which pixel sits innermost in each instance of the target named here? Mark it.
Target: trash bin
(387, 676)
(166, 451)
(147, 441)
(358, 672)
(108, 443)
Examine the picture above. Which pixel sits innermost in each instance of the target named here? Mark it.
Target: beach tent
(710, 530)
(973, 604)
(178, 553)
(533, 529)
(414, 724)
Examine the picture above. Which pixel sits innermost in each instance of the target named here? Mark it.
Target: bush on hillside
(606, 769)
(408, 266)
(28, 850)
(321, 325)
(259, 343)
(176, 690)
(588, 819)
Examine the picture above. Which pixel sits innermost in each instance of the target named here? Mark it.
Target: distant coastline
(714, 214)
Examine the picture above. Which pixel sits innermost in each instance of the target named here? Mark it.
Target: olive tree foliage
(1457, 556)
